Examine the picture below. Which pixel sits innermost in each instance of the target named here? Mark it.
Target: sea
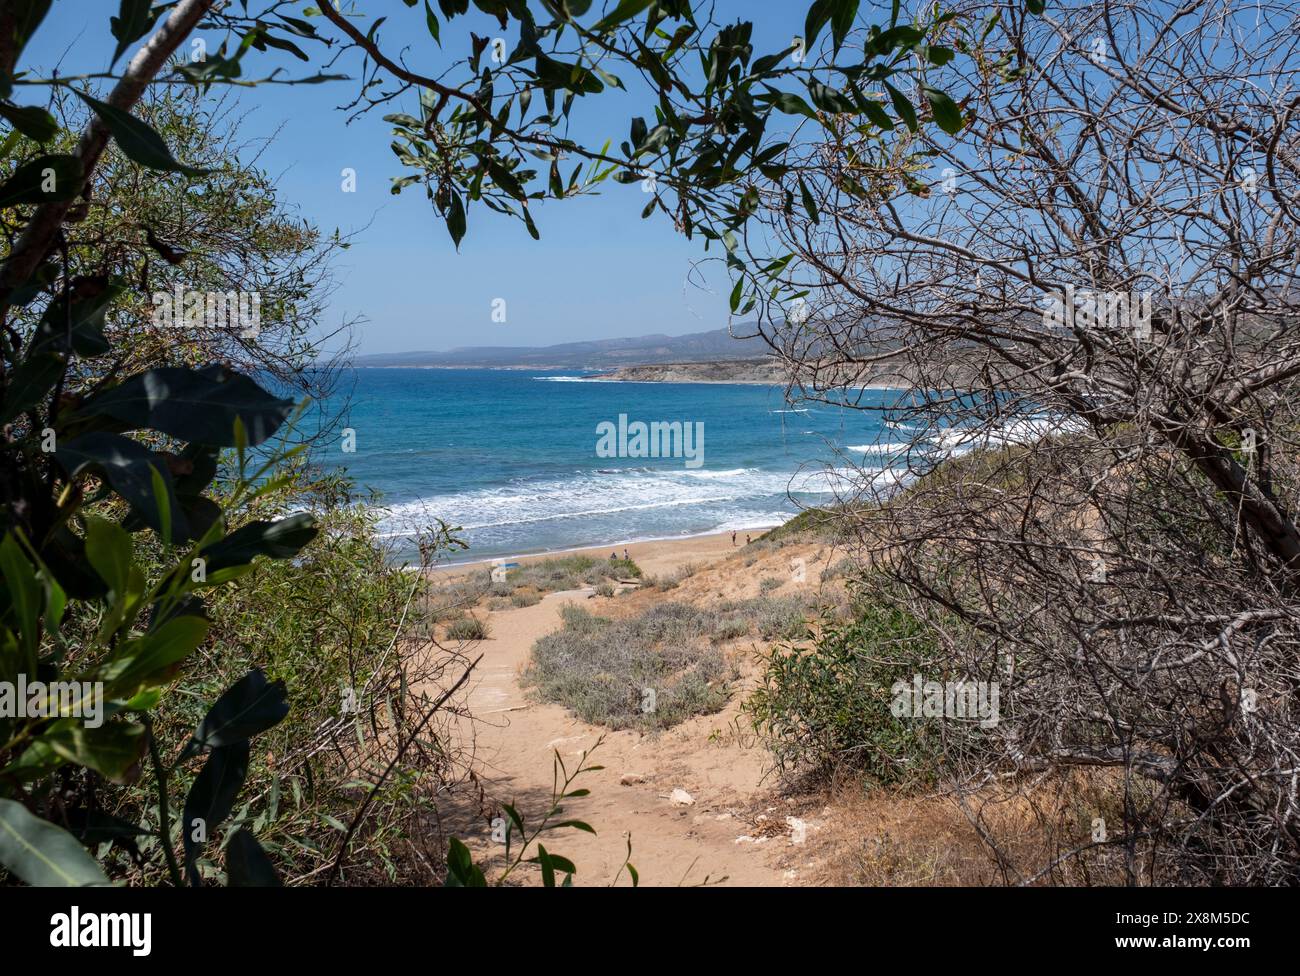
(522, 462)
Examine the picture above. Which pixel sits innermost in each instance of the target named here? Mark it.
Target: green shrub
(828, 705)
(468, 628)
(730, 628)
(775, 617)
(571, 572)
(650, 672)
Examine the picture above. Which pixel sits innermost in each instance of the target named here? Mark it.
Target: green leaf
(809, 204)
(575, 824)
(946, 112)
(82, 321)
(828, 99)
(33, 122)
(29, 382)
(462, 872)
(211, 799)
(902, 106)
(543, 859)
(840, 13)
(130, 469)
(108, 547)
(113, 750)
(250, 706)
(133, 21)
(24, 16)
(148, 659)
(44, 179)
(843, 13)
(456, 219)
(790, 104)
(736, 293)
(939, 55)
(24, 596)
(138, 140)
(247, 865)
(626, 10)
(877, 114)
(278, 540)
(193, 405)
(431, 20)
(42, 854)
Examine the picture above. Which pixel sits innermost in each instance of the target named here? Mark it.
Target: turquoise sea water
(511, 456)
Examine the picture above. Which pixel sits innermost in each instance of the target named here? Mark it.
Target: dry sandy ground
(735, 830)
(653, 557)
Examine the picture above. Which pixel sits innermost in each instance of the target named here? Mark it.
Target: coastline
(652, 555)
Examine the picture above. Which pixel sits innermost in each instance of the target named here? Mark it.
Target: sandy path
(513, 741)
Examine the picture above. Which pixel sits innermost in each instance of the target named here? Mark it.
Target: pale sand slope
(514, 739)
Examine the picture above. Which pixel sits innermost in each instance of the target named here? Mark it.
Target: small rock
(680, 798)
(631, 779)
(798, 830)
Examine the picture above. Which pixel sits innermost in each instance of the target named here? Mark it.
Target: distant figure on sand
(733, 537)
(613, 557)
(746, 540)
(626, 556)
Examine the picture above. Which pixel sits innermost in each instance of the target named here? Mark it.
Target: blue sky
(599, 271)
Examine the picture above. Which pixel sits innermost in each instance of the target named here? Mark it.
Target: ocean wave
(891, 447)
(712, 475)
(589, 494)
(1025, 430)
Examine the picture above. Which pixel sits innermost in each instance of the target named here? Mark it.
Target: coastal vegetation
(1104, 533)
(646, 672)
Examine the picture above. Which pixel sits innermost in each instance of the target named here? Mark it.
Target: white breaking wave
(893, 447)
(570, 379)
(715, 475)
(1018, 432)
(598, 493)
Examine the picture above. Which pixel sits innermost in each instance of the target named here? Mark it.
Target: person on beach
(613, 557)
(746, 540)
(626, 557)
(733, 537)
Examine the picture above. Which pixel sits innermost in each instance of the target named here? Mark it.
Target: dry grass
(888, 838)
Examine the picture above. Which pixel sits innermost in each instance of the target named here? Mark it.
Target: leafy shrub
(468, 628)
(828, 705)
(730, 628)
(650, 672)
(571, 572)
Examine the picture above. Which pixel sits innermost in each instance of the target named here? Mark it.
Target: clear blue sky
(599, 271)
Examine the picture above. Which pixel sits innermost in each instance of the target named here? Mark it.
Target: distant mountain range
(715, 345)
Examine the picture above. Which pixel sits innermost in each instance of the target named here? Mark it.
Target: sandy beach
(653, 556)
